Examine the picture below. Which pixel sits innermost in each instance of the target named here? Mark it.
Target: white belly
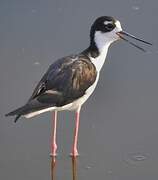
(72, 106)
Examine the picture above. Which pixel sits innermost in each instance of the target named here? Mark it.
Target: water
(118, 130)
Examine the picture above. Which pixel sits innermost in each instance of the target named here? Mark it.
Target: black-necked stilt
(70, 81)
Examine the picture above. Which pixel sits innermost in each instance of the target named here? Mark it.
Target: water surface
(119, 123)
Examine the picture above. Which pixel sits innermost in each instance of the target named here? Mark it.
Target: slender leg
(54, 144)
(74, 148)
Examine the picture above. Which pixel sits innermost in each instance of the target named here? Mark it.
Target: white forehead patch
(118, 25)
(107, 22)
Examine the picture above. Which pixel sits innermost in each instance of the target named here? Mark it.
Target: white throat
(103, 41)
(102, 44)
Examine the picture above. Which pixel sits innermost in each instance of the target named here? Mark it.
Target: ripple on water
(88, 167)
(36, 63)
(135, 8)
(135, 158)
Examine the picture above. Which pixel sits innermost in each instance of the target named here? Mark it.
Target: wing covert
(66, 80)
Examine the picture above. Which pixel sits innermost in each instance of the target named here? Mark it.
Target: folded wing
(65, 81)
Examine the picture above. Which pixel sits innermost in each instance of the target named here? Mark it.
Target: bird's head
(106, 30)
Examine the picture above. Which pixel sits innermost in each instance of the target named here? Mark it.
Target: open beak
(121, 34)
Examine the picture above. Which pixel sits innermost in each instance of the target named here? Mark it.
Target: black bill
(133, 44)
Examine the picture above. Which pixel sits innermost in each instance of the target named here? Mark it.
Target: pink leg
(74, 148)
(54, 144)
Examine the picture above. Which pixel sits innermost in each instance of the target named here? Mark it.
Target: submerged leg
(74, 148)
(53, 141)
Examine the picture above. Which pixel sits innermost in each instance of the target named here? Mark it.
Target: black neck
(92, 50)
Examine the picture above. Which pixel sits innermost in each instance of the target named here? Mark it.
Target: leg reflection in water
(74, 168)
(53, 164)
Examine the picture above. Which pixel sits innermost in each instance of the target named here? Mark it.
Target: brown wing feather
(70, 77)
(65, 81)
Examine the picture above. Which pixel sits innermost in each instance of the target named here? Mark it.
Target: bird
(70, 81)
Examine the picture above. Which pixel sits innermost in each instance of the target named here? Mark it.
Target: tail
(18, 113)
(28, 108)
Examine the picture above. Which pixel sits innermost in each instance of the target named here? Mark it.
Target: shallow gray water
(119, 123)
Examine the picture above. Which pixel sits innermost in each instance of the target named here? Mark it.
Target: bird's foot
(53, 154)
(74, 153)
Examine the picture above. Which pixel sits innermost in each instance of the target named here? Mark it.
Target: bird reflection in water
(74, 168)
(53, 163)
